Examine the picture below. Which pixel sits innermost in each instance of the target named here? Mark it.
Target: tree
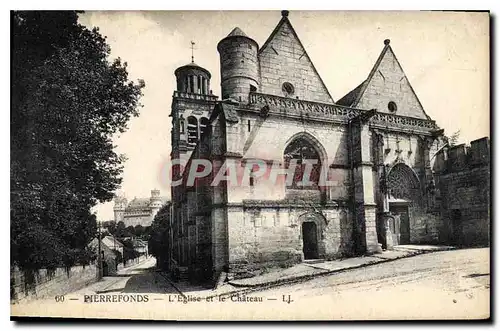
(111, 227)
(158, 240)
(139, 230)
(131, 230)
(68, 100)
(129, 253)
(453, 139)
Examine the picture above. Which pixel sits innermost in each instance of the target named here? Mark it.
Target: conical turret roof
(237, 32)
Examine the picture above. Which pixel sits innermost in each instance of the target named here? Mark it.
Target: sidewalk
(306, 270)
(114, 283)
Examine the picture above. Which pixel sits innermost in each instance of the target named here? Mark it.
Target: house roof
(111, 242)
(139, 242)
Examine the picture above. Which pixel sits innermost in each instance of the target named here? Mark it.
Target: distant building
(140, 246)
(139, 211)
(109, 248)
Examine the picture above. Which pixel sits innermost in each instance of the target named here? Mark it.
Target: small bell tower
(192, 103)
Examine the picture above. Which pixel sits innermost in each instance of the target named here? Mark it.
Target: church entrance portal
(401, 230)
(310, 240)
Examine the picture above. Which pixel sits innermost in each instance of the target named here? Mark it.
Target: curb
(171, 283)
(264, 286)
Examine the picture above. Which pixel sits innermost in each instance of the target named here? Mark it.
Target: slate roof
(138, 203)
(142, 203)
(229, 110)
(349, 99)
(237, 32)
(111, 242)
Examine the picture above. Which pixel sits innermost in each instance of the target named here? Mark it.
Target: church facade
(369, 157)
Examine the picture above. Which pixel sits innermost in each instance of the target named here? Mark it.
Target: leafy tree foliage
(110, 227)
(68, 100)
(453, 139)
(158, 236)
(129, 253)
(139, 230)
(131, 230)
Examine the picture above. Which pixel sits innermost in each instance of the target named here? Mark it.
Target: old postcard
(250, 165)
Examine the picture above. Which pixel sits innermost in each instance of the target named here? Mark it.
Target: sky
(445, 56)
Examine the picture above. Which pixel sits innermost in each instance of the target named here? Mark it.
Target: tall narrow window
(203, 86)
(203, 125)
(249, 126)
(192, 129)
(199, 85)
(181, 126)
(191, 83)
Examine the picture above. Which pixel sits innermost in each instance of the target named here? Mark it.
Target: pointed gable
(387, 89)
(283, 59)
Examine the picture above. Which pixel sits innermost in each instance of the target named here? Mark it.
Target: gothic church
(376, 144)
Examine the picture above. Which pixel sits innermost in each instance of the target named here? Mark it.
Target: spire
(192, 51)
(237, 32)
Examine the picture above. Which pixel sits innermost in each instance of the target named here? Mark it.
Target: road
(449, 284)
(138, 278)
(439, 285)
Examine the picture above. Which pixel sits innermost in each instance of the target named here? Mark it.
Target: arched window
(203, 125)
(192, 129)
(402, 183)
(303, 151)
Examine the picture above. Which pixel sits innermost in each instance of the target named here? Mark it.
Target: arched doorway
(310, 240)
(404, 196)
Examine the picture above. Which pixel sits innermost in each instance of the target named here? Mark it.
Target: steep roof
(229, 110)
(285, 24)
(237, 32)
(111, 242)
(352, 96)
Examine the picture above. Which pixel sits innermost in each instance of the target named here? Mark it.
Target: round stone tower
(192, 78)
(119, 207)
(239, 66)
(155, 202)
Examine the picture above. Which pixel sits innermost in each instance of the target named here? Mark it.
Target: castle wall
(463, 181)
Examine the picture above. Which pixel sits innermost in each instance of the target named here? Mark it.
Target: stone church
(376, 144)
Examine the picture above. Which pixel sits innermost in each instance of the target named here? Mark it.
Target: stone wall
(47, 284)
(263, 236)
(463, 183)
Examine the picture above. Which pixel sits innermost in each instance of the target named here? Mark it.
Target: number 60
(59, 298)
